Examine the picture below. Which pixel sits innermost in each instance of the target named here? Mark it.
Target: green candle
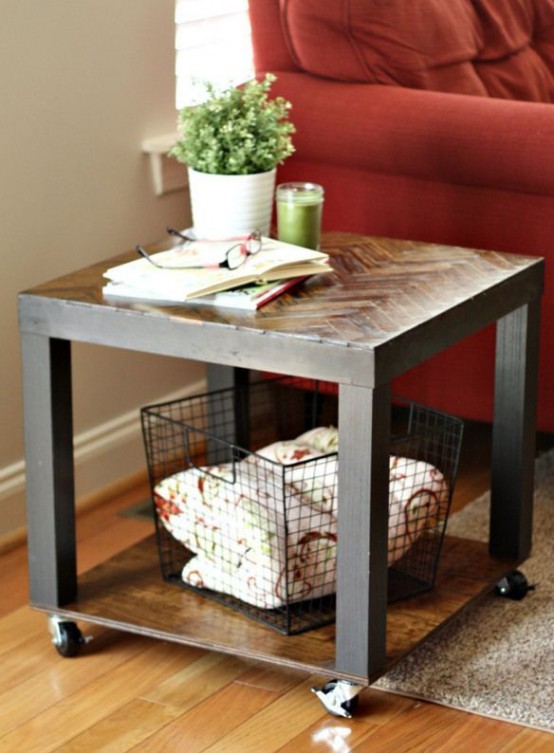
(299, 209)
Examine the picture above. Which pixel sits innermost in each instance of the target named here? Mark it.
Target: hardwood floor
(131, 693)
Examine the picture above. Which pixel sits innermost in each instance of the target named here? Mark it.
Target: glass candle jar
(299, 210)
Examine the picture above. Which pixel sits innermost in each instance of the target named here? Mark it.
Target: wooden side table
(389, 305)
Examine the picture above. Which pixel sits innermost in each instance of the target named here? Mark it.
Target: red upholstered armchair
(428, 121)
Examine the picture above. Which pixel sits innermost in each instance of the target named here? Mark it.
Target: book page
(276, 260)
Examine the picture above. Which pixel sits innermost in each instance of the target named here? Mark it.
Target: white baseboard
(102, 454)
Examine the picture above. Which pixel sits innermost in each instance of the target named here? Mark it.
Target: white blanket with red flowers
(264, 529)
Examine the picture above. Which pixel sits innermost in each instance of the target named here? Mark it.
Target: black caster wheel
(339, 697)
(514, 585)
(66, 637)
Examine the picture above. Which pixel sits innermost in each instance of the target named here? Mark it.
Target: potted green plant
(232, 143)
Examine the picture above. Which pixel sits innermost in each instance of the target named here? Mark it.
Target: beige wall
(83, 83)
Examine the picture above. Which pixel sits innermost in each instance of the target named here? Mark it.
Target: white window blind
(213, 43)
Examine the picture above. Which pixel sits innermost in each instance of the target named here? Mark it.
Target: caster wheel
(350, 707)
(339, 697)
(66, 637)
(514, 585)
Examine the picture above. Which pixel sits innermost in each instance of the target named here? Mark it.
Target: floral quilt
(264, 529)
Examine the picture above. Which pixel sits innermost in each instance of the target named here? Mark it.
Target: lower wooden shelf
(128, 593)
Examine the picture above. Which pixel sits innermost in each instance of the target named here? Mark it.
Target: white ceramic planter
(224, 206)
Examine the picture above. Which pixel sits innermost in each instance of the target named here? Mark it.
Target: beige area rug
(497, 658)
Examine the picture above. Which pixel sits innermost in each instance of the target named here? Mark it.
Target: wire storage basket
(244, 489)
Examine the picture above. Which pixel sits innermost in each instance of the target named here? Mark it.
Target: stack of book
(192, 273)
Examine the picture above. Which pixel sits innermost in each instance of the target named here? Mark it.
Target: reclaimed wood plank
(128, 593)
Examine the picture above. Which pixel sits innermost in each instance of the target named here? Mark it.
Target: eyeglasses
(235, 256)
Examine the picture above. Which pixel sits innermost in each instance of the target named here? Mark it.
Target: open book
(275, 261)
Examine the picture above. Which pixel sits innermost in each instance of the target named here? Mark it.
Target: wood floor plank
(32, 696)
(20, 625)
(415, 730)
(204, 724)
(123, 730)
(274, 726)
(330, 733)
(31, 657)
(530, 741)
(187, 687)
(69, 711)
(374, 709)
(267, 677)
(477, 733)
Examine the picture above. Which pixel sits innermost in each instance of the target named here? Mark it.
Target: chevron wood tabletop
(379, 289)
